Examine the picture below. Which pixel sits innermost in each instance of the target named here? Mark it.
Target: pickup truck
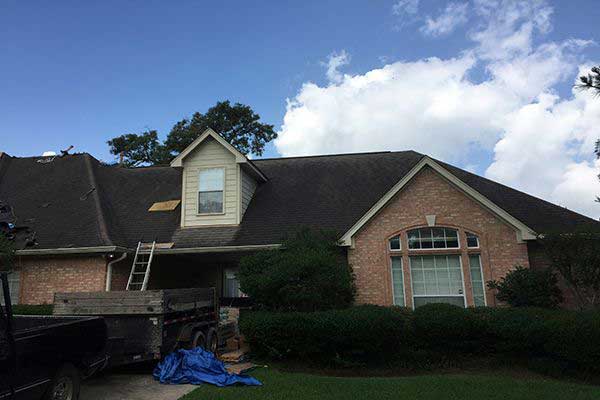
(45, 357)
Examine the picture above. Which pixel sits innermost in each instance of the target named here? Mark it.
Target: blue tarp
(198, 366)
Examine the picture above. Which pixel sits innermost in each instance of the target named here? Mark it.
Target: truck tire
(65, 384)
(212, 341)
(198, 340)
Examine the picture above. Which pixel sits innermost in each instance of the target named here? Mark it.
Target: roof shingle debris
(76, 201)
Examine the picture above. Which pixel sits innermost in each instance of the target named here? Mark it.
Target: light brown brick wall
(41, 277)
(430, 194)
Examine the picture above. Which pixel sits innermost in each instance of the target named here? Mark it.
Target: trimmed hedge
(372, 333)
(357, 333)
(29, 309)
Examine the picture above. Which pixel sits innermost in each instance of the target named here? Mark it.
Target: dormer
(218, 182)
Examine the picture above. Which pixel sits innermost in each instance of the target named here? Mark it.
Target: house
(414, 229)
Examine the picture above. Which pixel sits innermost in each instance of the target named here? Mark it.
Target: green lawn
(291, 386)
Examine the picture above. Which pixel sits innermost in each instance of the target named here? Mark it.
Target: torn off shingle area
(330, 192)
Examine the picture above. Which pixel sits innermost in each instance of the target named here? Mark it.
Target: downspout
(109, 268)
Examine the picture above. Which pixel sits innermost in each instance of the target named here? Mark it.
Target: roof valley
(102, 227)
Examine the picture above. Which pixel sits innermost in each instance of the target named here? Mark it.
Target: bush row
(375, 333)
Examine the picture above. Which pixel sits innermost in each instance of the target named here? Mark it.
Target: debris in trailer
(198, 366)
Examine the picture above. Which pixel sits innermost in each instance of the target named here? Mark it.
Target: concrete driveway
(130, 385)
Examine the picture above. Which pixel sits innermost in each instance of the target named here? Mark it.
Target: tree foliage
(7, 253)
(525, 287)
(591, 81)
(237, 123)
(308, 274)
(576, 257)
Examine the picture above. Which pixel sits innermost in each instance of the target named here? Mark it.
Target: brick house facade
(430, 194)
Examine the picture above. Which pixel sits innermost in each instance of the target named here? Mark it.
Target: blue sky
(81, 73)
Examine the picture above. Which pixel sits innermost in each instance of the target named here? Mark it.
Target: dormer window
(211, 185)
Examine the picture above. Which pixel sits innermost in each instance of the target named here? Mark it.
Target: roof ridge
(103, 228)
(334, 155)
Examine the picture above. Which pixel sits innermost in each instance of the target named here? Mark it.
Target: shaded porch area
(177, 271)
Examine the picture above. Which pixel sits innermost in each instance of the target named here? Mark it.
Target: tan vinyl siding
(248, 188)
(210, 154)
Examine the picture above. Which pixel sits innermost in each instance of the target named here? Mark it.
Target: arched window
(433, 238)
(395, 243)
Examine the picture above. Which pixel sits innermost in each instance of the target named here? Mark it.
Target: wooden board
(169, 205)
(148, 302)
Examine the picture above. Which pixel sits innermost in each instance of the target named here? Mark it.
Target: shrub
(526, 287)
(431, 334)
(446, 326)
(308, 274)
(361, 333)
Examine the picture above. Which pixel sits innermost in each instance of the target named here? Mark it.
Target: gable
(523, 231)
(431, 200)
(207, 155)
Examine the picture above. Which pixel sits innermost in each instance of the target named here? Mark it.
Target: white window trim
(462, 274)
(434, 249)
(403, 280)
(224, 168)
(482, 279)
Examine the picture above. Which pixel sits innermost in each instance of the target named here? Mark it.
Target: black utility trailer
(149, 324)
(46, 355)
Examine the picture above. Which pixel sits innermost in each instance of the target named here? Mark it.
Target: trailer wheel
(198, 340)
(65, 384)
(212, 341)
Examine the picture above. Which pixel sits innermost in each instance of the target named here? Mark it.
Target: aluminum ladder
(140, 270)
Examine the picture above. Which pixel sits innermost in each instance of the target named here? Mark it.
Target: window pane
(413, 240)
(210, 202)
(211, 180)
(451, 238)
(433, 238)
(458, 301)
(395, 243)
(437, 276)
(472, 240)
(477, 280)
(426, 239)
(398, 281)
(439, 238)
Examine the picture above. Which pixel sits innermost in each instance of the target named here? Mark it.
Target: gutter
(218, 249)
(119, 249)
(71, 250)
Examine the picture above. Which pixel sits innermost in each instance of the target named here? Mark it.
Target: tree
(526, 287)
(139, 149)
(576, 258)
(308, 274)
(7, 253)
(591, 81)
(238, 124)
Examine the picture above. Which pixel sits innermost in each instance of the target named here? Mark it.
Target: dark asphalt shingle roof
(330, 192)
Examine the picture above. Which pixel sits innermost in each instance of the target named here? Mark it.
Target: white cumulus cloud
(533, 139)
(454, 15)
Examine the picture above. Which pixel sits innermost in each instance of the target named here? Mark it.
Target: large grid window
(433, 238)
(398, 281)
(477, 280)
(437, 279)
(210, 190)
